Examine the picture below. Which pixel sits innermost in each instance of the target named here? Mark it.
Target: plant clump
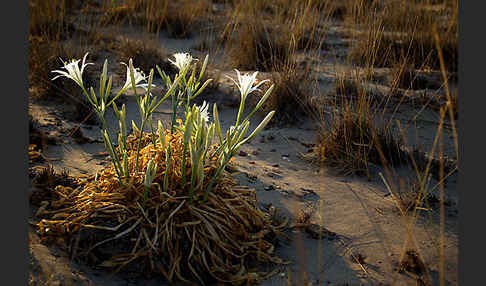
(353, 140)
(214, 241)
(166, 204)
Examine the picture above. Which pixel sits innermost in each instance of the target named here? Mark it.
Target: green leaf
(108, 89)
(259, 128)
(203, 69)
(117, 112)
(132, 77)
(202, 88)
(260, 102)
(168, 93)
(103, 78)
(217, 123)
(93, 95)
(151, 77)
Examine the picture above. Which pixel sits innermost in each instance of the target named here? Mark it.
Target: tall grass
(269, 36)
(266, 35)
(145, 53)
(392, 31)
(355, 136)
(179, 18)
(48, 19)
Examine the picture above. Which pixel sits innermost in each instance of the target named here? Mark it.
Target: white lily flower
(73, 70)
(203, 110)
(245, 83)
(182, 61)
(137, 75)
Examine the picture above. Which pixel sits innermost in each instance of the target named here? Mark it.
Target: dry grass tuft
(394, 32)
(179, 18)
(145, 54)
(268, 42)
(43, 58)
(348, 86)
(291, 97)
(204, 242)
(405, 76)
(48, 178)
(257, 46)
(48, 19)
(185, 16)
(354, 139)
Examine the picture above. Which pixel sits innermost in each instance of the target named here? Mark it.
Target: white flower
(138, 77)
(73, 71)
(182, 61)
(245, 83)
(203, 110)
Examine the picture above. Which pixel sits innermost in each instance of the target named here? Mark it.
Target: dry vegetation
(224, 234)
(146, 53)
(355, 138)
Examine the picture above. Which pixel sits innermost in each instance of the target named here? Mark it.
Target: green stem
(174, 114)
(167, 168)
(213, 179)
(87, 95)
(184, 165)
(240, 111)
(153, 134)
(115, 160)
(139, 143)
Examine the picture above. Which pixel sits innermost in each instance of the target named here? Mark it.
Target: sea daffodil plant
(198, 129)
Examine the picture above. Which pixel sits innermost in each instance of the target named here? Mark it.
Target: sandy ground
(360, 212)
(367, 224)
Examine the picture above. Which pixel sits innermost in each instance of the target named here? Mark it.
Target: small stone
(275, 165)
(269, 188)
(316, 231)
(252, 162)
(242, 153)
(309, 191)
(273, 150)
(273, 175)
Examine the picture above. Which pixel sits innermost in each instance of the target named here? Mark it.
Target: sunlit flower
(245, 83)
(203, 109)
(138, 77)
(73, 70)
(182, 61)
